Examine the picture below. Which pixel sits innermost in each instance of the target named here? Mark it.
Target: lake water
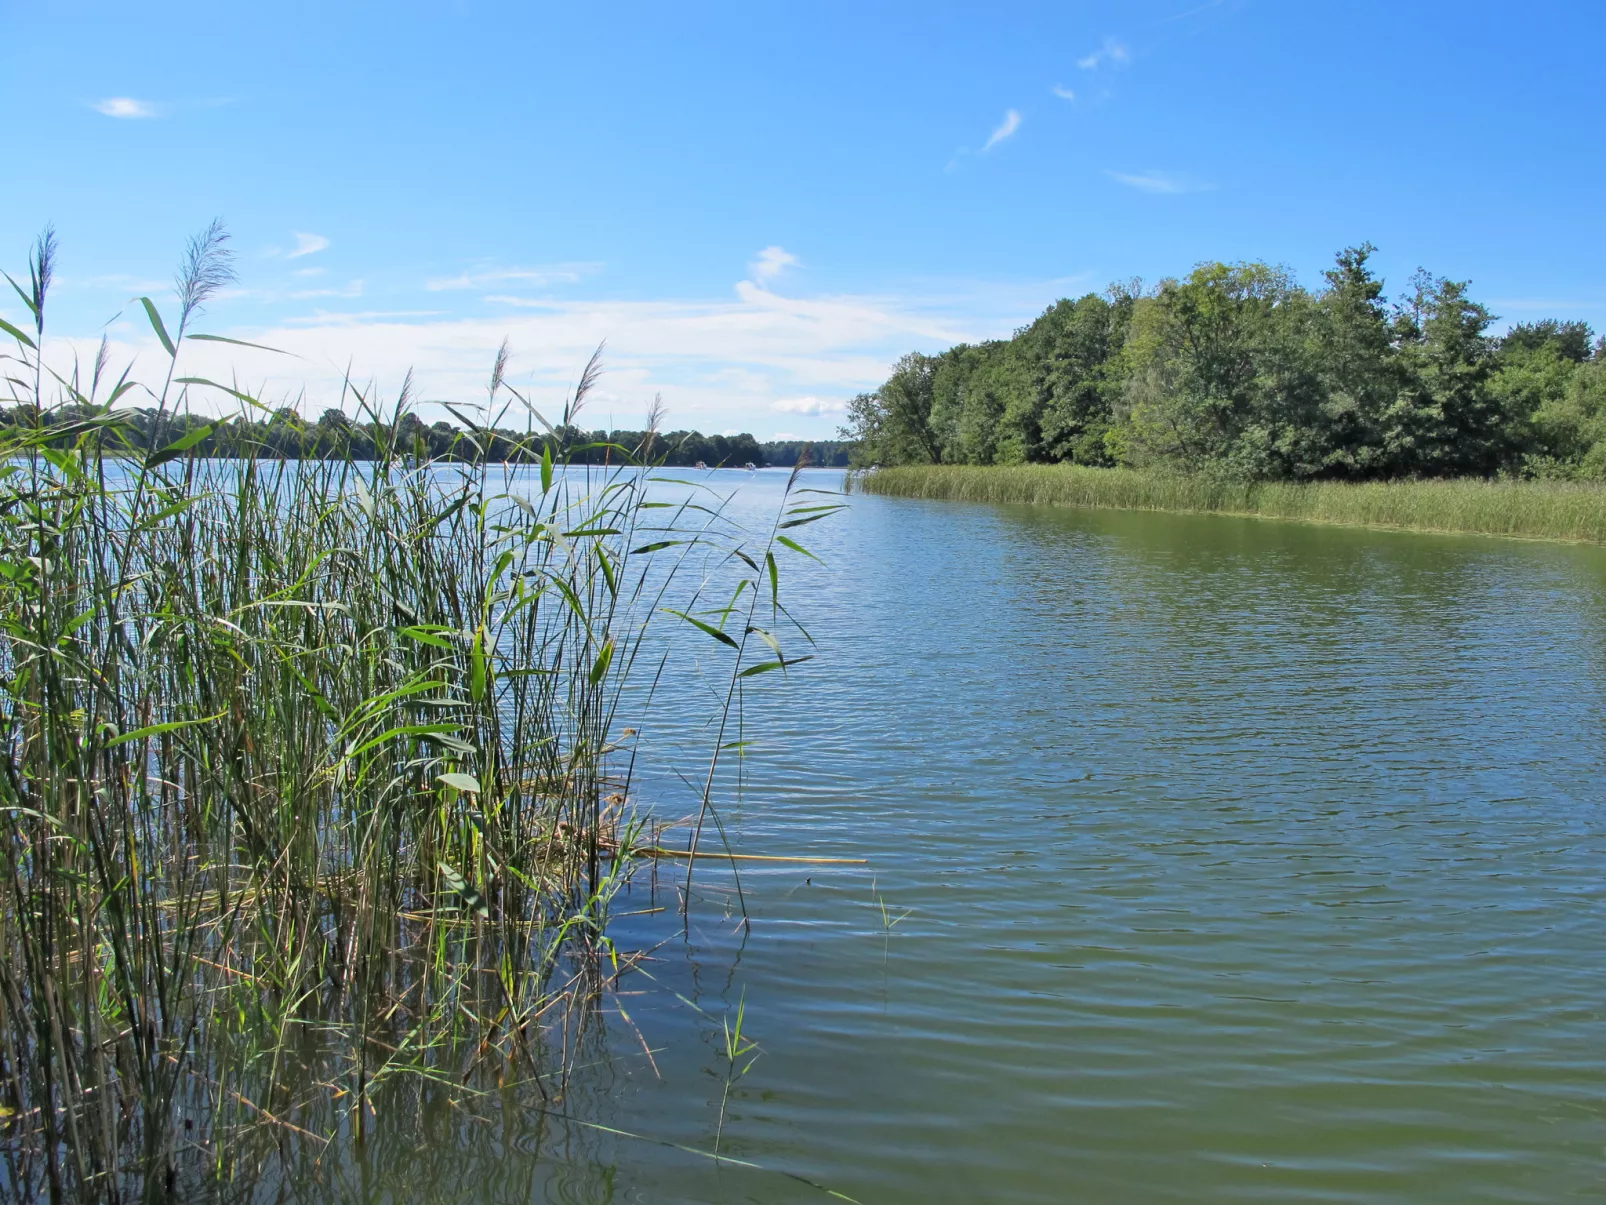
(1236, 861)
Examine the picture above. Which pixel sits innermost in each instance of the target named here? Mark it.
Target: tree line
(285, 434)
(1238, 370)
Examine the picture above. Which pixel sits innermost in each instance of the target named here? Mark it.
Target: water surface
(1236, 860)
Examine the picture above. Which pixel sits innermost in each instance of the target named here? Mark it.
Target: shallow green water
(1242, 861)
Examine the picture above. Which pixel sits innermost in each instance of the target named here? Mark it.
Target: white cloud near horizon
(1156, 181)
(755, 359)
(772, 262)
(745, 361)
(1111, 51)
(117, 282)
(124, 107)
(354, 289)
(1063, 92)
(307, 244)
(540, 276)
(813, 407)
(1006, 129)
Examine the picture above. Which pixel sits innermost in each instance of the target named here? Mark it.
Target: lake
(1208, 860)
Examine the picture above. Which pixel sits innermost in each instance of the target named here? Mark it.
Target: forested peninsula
(1237, 372)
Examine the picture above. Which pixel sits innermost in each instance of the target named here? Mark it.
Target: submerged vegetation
(1536, 509)
(316, 784)
(1239, 374)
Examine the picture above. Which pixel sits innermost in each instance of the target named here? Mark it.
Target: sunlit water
(1235, 860)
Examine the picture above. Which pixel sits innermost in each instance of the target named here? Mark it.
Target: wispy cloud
(1006, 129)
(325, 320)
(307, 244)
(354, 289)
(538, 277)
(125, 107)
(119, 282)
(1111, 52)
(1157, 181)
(814, 407)
(771, 263)
(1061, 91)
(526, 303)
(1194, 11)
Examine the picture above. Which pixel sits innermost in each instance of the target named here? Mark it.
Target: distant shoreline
(1540, 510)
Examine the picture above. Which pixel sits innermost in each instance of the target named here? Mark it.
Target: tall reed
(312, 775)
(1534, 509)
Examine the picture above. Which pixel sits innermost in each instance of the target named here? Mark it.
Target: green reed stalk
(312, 779)
(1531, 509)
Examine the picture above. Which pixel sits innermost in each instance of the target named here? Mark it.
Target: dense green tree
(1533, 375)
(974, 389)
(1238, 371)
(1566, 340)
(1222, 375)
(1569, 430)
(1445, 419)
(1044, 395)
(893, 425)
(823, 453)
(1357, 364)
(1079, 379)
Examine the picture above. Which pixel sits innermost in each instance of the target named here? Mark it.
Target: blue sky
(760, 206)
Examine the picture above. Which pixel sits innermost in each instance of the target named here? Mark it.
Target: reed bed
(1529, 509)
(314, 782)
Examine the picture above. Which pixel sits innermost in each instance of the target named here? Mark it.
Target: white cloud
(354, 289)
(1006, 129)
(814, 407)
(307, 244)
(525, 303)
(117, 282)
(538, 277)
(1063, 92)
(752, 361)
(309, 272)
(1157, 181)
(1193, 12)
(1111, 51)
(342, 321)
(124, 106)
(772, 262)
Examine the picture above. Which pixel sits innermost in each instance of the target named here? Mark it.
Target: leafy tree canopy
(1241, 371)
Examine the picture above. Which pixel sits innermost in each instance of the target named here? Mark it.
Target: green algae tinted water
(1236, 861)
